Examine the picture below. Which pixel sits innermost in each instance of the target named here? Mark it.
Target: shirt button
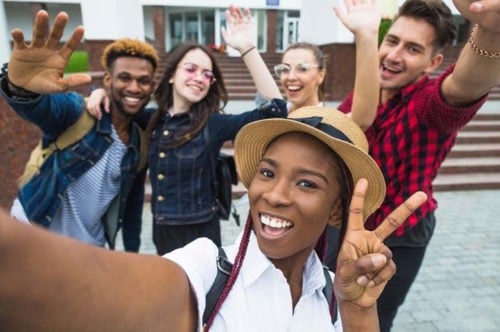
(162, 155)
(166, 132)
(161, 177)
(160, 198)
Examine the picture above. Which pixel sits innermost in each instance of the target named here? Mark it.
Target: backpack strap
(328, 293)
(224, 268)
(71, 135)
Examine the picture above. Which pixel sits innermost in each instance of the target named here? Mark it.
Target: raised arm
(39, 66)
(362, 18)
(241, 37)
(364, 263)
(478, 66)
(55, 283)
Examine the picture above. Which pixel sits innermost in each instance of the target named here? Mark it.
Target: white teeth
(293, 87)
(132, 99)
(274, 222)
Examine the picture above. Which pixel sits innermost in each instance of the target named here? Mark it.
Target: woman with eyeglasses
(189, 129)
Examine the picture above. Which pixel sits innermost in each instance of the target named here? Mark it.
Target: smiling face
(293, 196)
(192, 79)
(130, 84)
(301, 86)
(406, 54)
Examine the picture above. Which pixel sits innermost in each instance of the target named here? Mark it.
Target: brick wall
(17, 138)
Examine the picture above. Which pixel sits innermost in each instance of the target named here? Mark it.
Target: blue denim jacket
(42, 195)
(181, 179)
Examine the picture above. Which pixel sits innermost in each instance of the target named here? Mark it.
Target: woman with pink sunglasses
(187, 132)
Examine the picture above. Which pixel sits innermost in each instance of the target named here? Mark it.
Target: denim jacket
(181, 180)
(42, 195)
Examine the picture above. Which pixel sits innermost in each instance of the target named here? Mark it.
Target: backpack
(224, 175)
(224, 268)
(70, 136)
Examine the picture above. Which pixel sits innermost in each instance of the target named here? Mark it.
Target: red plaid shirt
(409, 139)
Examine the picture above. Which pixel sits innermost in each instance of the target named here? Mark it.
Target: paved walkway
(458, 287)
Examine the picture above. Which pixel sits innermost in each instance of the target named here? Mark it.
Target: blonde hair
(128, 47)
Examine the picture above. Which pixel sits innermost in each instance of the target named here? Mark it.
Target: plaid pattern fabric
(409, 139)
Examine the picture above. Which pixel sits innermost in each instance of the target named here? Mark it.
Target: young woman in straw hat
(277, 279)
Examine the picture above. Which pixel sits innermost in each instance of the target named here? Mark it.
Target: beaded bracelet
(246, 52)
(478, 50)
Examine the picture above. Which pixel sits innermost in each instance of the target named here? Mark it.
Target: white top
(260, 299)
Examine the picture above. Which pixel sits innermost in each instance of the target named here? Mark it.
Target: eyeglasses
(193, 70)
(300, 68)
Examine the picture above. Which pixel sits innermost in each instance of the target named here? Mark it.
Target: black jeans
(408, 261)
(167, 237)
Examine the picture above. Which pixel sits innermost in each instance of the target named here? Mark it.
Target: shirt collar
(256, 264)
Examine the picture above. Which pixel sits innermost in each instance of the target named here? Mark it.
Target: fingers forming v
(356, 222)
(399, 215)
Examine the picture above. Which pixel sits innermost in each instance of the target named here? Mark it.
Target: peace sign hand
(364, 263)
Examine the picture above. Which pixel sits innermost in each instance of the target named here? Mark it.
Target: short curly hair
(128, 47)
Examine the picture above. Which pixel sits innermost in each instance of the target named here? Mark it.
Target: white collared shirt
(260, 299)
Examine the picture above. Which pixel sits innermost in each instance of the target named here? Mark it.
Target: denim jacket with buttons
(42, 195)
(181, 179)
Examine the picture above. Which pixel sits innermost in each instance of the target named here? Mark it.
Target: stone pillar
(272, 24)
(159, 28)
(106, 21)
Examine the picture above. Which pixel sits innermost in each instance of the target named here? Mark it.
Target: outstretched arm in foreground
(39, 66)
(364, 264)
(54, 283)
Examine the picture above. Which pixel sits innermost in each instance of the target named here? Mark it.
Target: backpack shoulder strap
(328, 293)
(71, 135)
(76, 131)
(224, 267)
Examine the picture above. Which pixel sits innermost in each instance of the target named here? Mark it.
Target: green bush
(79, 62)
(385, 24)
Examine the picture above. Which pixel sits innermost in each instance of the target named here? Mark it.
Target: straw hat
(330, 126)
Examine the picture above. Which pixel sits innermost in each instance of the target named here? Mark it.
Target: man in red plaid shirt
(418, 118)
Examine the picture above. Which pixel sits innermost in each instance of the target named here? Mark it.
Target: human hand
(359, 16)
(39, 66)
(364, 263)
(485, 13)
(241, 29)
(94, 101)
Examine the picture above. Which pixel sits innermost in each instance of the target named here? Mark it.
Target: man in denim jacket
(98, 177)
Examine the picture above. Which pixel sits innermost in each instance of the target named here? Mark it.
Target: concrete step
(474, 137)
(469, 181)
(470, 165)
(475, 150)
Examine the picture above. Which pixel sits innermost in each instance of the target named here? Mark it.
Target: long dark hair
(214, 101)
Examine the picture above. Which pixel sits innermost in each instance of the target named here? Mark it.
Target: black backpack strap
(224, 268)
(328, 293)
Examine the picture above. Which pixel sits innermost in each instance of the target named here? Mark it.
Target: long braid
(238, 262)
